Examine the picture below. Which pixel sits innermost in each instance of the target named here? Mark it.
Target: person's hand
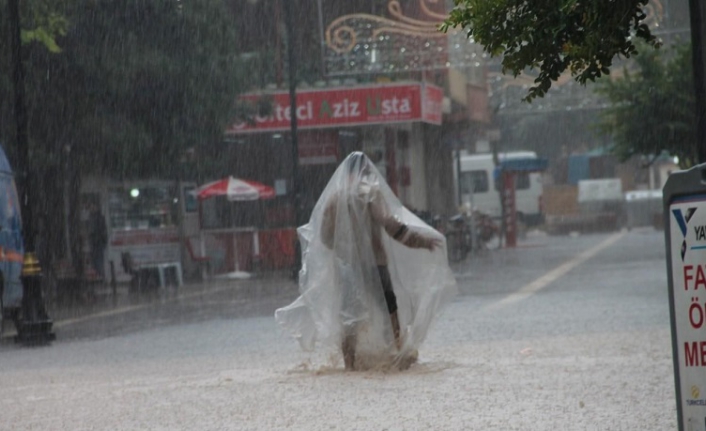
(433, 243)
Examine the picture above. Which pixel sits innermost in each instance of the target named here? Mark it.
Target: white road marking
(130, 308)
(553, 275)
(66, 322)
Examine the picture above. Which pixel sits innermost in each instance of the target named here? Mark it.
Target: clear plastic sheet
(357, 229)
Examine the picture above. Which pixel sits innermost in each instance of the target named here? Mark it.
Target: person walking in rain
(98, 238)
(358, 233)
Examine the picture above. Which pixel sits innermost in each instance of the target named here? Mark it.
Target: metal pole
(34, 325)
(321, 36)
(470, 183)
(21, 124)
(459, 193)
(497, 181)
(292, 77)
(697, 11)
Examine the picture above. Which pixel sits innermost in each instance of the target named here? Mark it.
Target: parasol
(235, 189)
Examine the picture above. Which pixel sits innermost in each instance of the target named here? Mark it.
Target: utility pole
(697, 13)
(21, 123)
(497, 182)
(34, 325)
(292, 78)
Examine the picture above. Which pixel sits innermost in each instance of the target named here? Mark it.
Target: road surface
(568, 333)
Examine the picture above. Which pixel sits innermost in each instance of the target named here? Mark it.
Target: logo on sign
(683, 222)
(695, 397)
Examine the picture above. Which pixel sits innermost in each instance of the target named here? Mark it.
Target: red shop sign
(377, 104)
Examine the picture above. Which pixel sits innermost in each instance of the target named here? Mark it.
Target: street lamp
(34, 326)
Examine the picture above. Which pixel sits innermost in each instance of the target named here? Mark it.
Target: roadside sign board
(684, 200)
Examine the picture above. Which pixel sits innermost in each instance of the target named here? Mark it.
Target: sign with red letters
(336, 107)
(687, 233)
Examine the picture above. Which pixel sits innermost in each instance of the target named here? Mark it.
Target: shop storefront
(396, 125)
(386, 121)
(149, 219)
(391, 123)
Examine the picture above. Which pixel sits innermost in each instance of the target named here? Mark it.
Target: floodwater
(558, 359)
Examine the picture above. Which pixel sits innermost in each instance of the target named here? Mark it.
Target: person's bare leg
(394, 318)
(410, 357)
(348, 348)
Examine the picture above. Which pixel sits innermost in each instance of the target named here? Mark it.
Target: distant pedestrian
(98, 239)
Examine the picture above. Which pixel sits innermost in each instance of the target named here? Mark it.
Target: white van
(479, 187)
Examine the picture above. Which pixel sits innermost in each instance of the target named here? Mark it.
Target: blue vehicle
(11, 245)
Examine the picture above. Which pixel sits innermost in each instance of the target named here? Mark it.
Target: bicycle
(487, 231)
(459, 240)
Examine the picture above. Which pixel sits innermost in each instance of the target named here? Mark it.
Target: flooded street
(481, 186)
(535, 340)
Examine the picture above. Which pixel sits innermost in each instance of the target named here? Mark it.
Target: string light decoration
(365, 43)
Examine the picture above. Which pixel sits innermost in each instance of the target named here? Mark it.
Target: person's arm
(394, 227)
(328, 224)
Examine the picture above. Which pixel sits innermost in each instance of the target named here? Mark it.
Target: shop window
(142, 207)
(476, 179)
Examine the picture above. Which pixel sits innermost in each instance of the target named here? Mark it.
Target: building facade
(372, 75)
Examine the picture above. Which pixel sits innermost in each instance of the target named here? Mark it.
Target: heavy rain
(352, 215)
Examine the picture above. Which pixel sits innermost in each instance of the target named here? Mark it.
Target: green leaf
(556, 36)
(40, 35)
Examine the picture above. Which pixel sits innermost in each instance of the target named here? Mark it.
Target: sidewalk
(104, 298)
